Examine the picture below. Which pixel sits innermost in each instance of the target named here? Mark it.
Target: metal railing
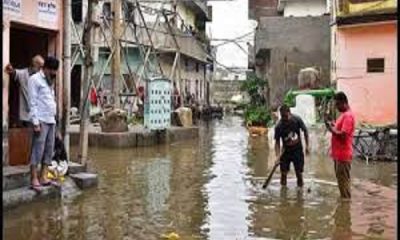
(376, 144)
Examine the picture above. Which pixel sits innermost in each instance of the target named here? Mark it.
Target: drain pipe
(66, 74)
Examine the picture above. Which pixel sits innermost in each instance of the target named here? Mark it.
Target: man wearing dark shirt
(288, 131)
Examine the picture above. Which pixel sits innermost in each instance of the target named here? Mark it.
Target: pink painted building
(364, 58)
(30, 27)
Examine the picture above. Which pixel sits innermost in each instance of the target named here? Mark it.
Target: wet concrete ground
(210, 188)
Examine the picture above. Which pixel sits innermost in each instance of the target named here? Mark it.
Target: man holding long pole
(288, 130)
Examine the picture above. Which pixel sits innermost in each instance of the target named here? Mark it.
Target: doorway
(25, 43)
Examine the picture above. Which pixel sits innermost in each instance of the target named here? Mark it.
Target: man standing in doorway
(288, 130)
(341, 145)
(42, 105)
(21, 76)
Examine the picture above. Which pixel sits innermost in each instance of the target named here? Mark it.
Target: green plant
(254, 86)
(256, 112)
(257, 116)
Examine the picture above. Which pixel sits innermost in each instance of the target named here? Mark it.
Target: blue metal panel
(157, 106)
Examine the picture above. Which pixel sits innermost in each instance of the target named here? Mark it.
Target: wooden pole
(180, 82)
(88, 72)
(149, 35)
(116, 60)
(172, 74)
(66, 75)
(177, 58)
(146, 58)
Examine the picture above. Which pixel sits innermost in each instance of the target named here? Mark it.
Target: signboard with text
(12, 7)
(47, 10)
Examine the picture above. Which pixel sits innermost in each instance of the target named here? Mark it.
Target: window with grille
(128, 9)
(375, 65)
(107, 10)
(76, 9)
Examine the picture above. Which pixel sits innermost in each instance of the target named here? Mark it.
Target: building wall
(194, 77)
(129, 56)
(372, 96)
(187, 15)
(293, 43)
(188, 46)
(262, 8)
(305, 8)
(189, 74)
(230, 76)
(27, 13)
(364, 6)
(151, 17)
(223, 90)
(334, 47)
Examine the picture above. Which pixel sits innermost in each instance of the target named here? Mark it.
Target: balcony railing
(191, 45)
(195, 45)
(364, 7)
(200, 8)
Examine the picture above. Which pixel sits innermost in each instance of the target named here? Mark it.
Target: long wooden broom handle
(273, 170)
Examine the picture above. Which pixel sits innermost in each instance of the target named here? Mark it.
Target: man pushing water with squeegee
(288, 130)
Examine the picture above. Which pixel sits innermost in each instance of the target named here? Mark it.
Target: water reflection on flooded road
(210, 188)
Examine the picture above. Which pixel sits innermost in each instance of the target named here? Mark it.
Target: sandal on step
(50, 183)
(45, 184)
(55, 184)
(36, 188)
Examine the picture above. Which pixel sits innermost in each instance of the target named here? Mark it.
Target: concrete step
(74, 168)
(15, 197)
(15, 177)
(85, 180)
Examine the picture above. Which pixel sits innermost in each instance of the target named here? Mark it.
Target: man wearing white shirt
(42, 104)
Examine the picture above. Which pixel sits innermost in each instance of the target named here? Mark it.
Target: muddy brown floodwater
(210, 188)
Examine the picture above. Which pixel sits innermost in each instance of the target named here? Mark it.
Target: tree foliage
(254, 87)
(256, 112)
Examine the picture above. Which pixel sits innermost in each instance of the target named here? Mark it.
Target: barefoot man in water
(288, 129)
(341, 145)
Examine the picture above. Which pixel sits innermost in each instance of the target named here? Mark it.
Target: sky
(230, 20)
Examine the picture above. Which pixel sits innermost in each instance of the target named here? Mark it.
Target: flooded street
(210, 188)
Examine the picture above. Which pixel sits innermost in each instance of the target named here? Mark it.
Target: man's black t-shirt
(289, 132)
